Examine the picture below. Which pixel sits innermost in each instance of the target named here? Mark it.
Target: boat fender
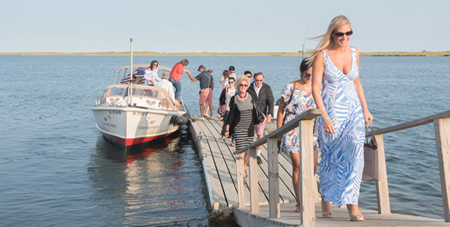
(179, 120)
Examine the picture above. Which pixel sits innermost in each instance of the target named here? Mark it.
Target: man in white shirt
(168, 86)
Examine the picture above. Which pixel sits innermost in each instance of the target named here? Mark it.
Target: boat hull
(130, 126)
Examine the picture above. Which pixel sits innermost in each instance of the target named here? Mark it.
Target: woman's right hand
(227, 134)
(328, 126)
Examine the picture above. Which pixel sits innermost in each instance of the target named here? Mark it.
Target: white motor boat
(130, 113)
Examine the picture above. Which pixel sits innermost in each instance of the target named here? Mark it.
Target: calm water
(57, 169)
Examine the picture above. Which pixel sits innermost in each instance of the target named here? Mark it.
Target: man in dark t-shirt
(206, 89)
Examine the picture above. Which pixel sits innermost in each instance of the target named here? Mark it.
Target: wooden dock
(219, 166)
(220, 169)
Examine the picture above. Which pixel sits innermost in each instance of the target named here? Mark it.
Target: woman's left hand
(368, 117)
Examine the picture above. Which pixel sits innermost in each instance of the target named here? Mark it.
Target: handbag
(222, 110)
(370, 172)
(260, 117)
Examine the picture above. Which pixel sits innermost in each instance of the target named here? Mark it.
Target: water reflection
(157, 183)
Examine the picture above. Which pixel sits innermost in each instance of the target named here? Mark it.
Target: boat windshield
(146, 92)
(118, 91)
(121, 91)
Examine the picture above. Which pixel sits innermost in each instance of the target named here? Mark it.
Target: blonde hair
(241, 78)
(326, 41)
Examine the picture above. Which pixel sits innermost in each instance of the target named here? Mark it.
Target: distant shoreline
(146, 53)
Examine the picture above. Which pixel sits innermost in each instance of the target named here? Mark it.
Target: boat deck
(219, 168)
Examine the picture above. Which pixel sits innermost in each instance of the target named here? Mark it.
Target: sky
(167, 26)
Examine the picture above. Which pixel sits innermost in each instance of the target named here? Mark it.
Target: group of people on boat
(329, 81)
(151, 78)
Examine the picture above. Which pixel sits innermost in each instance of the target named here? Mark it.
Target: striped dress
(342, 156)
(241, 129)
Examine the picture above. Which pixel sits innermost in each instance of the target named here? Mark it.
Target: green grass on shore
(147, 53)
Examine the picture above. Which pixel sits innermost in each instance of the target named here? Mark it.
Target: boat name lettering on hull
(109, 125)
(115, 112)
(147, 127)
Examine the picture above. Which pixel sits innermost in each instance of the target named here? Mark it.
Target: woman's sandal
(354, 217)
(245, 178)
(326, 214)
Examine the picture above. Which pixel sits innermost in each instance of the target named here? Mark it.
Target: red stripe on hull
(133, 141)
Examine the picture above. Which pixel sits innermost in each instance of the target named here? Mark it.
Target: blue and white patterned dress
(301, 102)
(342, 156)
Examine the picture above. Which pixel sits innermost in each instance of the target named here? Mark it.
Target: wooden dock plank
(216, 192)
(261, 177)
(222, 164)
(215, 128)
(286, 193)
(286, 188)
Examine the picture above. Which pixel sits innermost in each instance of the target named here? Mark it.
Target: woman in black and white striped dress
(241, 118)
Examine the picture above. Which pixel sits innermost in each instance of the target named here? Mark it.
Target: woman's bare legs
(295, 159)
(326, 206)
(245, 165)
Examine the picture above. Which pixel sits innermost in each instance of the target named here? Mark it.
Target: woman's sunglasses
(340, 34)
(243, 85)
(231, 82)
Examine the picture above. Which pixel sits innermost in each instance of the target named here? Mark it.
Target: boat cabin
(142, 96)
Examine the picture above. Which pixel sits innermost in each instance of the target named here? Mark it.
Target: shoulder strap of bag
(290, 99)
(292, 93)
(316, 126)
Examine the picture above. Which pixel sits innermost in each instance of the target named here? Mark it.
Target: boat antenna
(131, 71)
(304, 41)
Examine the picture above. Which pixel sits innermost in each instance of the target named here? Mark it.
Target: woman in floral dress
(296, 98)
